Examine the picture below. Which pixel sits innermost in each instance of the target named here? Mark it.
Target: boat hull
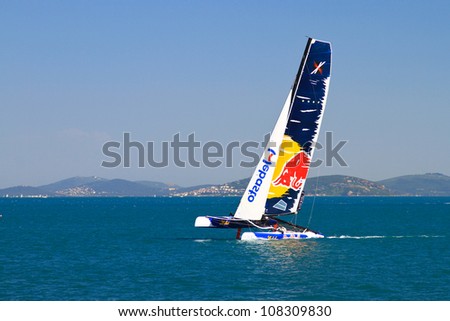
(289, 235)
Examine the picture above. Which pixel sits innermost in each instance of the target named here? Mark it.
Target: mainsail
(278, 181)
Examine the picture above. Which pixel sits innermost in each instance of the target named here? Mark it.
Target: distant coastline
(430, 184)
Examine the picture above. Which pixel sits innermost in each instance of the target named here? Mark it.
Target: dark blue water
(147, 249)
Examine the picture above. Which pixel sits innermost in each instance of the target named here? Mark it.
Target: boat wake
(382, 236)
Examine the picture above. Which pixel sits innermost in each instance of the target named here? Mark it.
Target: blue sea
(377, 248)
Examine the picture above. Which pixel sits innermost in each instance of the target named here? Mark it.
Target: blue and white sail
(277, 183)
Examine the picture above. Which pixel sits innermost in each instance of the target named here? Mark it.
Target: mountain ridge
(429, 184)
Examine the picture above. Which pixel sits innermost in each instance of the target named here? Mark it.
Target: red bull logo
(294, 172)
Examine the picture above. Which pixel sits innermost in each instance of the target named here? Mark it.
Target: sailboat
(276, 187)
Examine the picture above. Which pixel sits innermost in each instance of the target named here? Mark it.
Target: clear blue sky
(75, 74)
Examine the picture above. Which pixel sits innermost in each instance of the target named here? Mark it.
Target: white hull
(289, 235)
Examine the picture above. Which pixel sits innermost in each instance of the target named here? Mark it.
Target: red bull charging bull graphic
(294, 172)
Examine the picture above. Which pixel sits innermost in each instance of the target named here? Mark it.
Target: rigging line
(314, 197)
(294, 219)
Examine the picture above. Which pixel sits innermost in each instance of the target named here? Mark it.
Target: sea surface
(377, 248)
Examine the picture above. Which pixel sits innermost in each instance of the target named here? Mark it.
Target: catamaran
(276, 187)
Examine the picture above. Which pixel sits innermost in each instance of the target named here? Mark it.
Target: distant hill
(240, 184)
(209, 190)
(157, 184)
(235, 188)
(340, 185)
(430, 184)
(332, 185)
(91, 186)
(20, 191)
(121, 187)
(343, 185)
(57, 187)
